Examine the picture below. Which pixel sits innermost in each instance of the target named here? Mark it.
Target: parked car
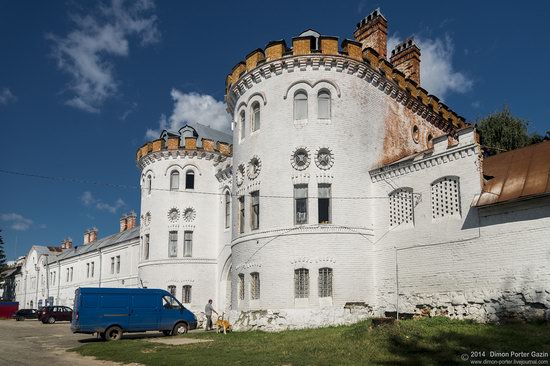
(52, 314)
(113, 311)
(25, 314)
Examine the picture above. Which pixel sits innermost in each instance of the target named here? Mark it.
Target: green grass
(436, 341)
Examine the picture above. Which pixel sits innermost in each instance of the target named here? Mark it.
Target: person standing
(208, 309)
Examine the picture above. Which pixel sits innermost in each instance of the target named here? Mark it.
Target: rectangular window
(190, 180)
(186, 294)
(112, 265)
(324, 203)
(242, 125)
(187, 243)
(173, 244)
(227, 210)
(241, 286)
(67, 275)
(241, 214)
(255, 210)
(325, 282)
(254, 286)
(93, 265)
(87, 270)
(146, 247)
(174, 181)
(118, 264)
(172, 290)
(301, 283)
(71, 274)
(300, 204)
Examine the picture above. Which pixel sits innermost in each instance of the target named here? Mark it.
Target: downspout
(396, 285)
(47, 282)
(37, 283)
(100, 266)
(58, 278)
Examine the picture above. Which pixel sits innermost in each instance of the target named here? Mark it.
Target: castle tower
(184, 240)
(309, 125)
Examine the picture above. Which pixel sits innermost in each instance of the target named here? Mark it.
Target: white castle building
(346, 191)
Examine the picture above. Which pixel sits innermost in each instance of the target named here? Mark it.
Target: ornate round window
(173, 214)
(416, 133)
(189, 214)
(324, 158)
(254, 167)
(146, 218)
(240, 174)
(300, 158)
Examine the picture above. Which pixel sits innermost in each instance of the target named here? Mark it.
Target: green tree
(502, 131)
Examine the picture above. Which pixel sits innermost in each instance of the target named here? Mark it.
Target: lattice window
(445, 197)
(186, 294)
(241, 286)
(325, 282)
(401, 207)
(301, 283)
(254, 286)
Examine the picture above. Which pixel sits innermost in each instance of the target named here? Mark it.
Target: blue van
(112, 311)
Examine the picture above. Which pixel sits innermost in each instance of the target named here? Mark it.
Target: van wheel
(51, 320)
(113, 333)
(179, 329)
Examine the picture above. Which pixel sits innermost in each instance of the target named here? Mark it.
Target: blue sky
(83, 84)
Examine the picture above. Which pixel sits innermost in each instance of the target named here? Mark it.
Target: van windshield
(170, 302)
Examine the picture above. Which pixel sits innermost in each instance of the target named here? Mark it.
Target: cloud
(193, 107)
(6, 96)
(129, 111)
(85, 52)
(18, 222)
(437, 73)
(89, 200)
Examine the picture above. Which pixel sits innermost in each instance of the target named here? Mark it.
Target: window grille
(187, 243)
(241, 286)
(445, 197)
(323, 104)
(300, 204)
(255, 210)
(186, 294)
(254, 286)
(325, 282)
(173, 244)
(401, 207)
(301, 283)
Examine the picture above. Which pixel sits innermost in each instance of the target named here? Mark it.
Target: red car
(52, 314)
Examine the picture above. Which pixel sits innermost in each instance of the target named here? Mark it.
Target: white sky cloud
(6, 96)
(16, 221)
(193, 107)
(86, 51)
(437, 73)
(89, 200)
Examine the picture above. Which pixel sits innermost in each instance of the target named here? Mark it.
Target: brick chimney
(92, 234)
(131, 220)
(67, 243)
(86, 236)
(406, 58)
(123, 222)
(372, 32)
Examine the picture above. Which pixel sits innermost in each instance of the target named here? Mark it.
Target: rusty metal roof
(516, 174)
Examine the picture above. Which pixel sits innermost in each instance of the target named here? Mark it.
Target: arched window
(401, 207)
(190, 180)
(254, 286)
(323, 104)
(445, 197)
(300, 105)
(301, 283)
(325, 282)
(255, 116)
(242, 126)
(174, 180)
(149, 184)
(227, 209)
(241, 286)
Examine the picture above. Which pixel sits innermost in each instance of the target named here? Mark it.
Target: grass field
(436, 341)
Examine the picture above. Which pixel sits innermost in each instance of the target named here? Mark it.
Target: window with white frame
(172, 243)
(187, 243)
(112, 265)
(323, 203)
(254, 286)
(301, 283)
(174, 180)
(241, 214)
(300, 105)
(227, 209)
(186, 294)
(255, 116)
(255, 210)
(146, 247)
(241, 286)
(118, 264)
(190, 180)
(325, 282)
(242, 125)
(445, 194)
(300, 204)
(401, 207)
(323, 104)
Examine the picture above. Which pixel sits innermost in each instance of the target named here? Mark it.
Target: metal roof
(516, 174)
(98, 244)
(202, 131)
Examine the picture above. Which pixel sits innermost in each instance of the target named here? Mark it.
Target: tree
(502, 131)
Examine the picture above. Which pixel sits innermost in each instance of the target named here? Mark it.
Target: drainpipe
(37, 267)
(25, 292)
(58, 279)
(396, 285)
(47, 282)
(100, 266)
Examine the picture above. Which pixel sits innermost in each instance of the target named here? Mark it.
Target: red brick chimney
(131, 220)
(92, 234)
(372, 32)
(67, 243)
(406, 58)
(123, 222)
(86, 236)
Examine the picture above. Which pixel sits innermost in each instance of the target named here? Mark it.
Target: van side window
(167, 302)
